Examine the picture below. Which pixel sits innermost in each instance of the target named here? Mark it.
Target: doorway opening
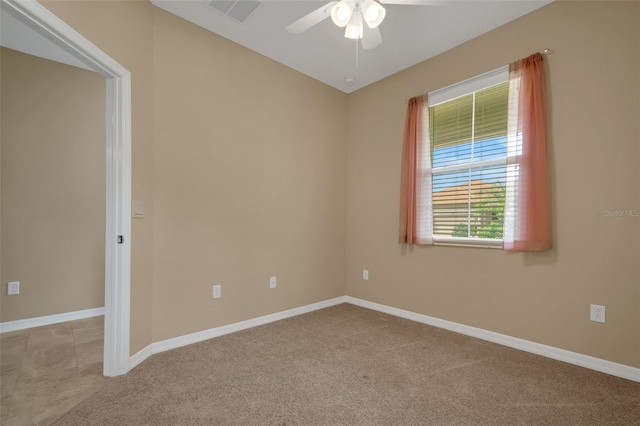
(47, 36)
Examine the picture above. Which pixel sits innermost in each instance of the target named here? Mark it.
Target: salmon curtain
(416, 175)
(527, 207)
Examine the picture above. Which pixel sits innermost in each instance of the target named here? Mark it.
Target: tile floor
(45, 371)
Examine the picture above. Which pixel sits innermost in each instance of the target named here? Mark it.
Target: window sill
(468, 242)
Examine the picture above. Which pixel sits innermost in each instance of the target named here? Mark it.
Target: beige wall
(249, 172)
(53, 187)
(244, 178)
(594, 80)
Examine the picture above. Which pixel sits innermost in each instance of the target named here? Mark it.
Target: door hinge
(120, 239)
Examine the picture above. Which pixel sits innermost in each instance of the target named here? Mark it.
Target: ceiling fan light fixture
(342, 12)
(354, 28)
(373, 13)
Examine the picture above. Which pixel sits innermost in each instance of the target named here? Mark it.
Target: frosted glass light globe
(372, 14)
(342, 13)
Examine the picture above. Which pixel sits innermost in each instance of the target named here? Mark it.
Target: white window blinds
(468, 147)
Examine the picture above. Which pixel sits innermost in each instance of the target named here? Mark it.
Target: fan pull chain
(357, 53)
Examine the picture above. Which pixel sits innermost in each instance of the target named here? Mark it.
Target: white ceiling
(17, 35)
(410, 34)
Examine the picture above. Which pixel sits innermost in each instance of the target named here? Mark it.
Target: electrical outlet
(273, 282)
(597, 313)
(13, 288)
(217, 291)
(365, 274)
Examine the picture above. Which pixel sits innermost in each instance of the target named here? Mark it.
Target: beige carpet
(347, 365)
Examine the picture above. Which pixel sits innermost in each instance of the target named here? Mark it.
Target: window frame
(445, 94)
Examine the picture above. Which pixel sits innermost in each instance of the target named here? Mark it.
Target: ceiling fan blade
(370, 38)
(414, 2)
(313, 18)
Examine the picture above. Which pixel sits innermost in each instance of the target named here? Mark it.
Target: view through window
(468, 138)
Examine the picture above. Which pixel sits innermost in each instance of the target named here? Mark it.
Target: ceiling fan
(360, 18)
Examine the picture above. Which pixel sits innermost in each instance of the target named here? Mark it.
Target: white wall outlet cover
(13, 288)
(217, 291)
(365, 274)
(598, 313)
(273, 282)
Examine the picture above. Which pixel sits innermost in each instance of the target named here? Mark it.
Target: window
(467, 142)
(474, 162)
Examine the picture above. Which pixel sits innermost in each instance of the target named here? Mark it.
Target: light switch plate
(137, 209)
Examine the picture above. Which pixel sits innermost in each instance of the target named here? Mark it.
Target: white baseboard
(49, 319)
(597, 364)
(140, 356)
(189, 339)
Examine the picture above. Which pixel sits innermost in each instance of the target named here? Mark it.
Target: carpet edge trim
(586, 361)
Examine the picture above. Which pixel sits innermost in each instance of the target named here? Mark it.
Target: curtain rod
(547, 51)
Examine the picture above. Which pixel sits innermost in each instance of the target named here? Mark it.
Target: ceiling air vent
(238, 10)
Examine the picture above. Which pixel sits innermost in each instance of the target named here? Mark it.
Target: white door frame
(118, 179)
